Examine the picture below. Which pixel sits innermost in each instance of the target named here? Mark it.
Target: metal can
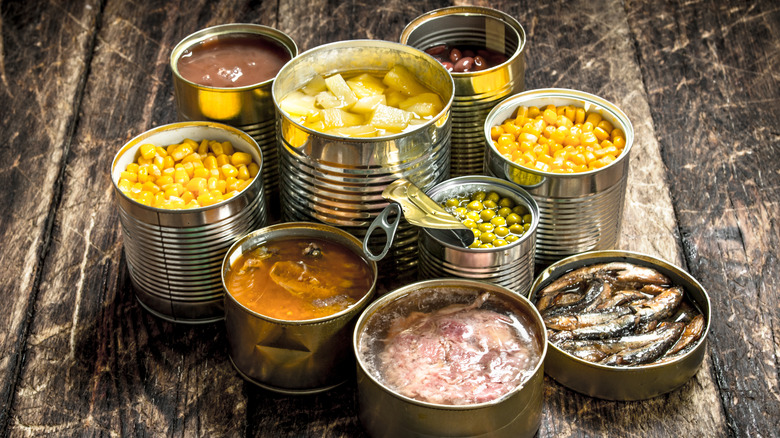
(248, 108)
(625, 383)
(339, 180)
(292, 357)
(174, 256)
(385, 412)
(510, 266)
(578, 211)
(476, 92)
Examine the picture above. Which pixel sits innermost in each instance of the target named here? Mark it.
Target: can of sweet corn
(339, 180)
(175, 256)
(580, 211)
(476, 91)
(246, 107)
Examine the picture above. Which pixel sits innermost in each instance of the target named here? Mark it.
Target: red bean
(447, 65)
(480, 63)
(469, 53)
(436, 50)
(455, 55)
(464, 64)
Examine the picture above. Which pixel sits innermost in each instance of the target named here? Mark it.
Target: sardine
(571, 322)
(621, 298)
(613, 346)
(601, 270)
(650, 352)
(690, 335)
(659, 307)
(637, 277)
(596, 289)
(611, 329)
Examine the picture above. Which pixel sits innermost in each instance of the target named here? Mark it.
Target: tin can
(510, 266)
(174, 256)
(338, 180)
(385, 412)
(292, 357)
(580, 211)
(625, 383)
(248, 108)
(477, 92)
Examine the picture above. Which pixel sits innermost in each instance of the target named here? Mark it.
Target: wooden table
(79, 356)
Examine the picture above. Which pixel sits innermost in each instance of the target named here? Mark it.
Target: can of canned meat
(175, 256)
(235, 98)
(510, 266)
(579, 211)
(477, 89)
(339, 180)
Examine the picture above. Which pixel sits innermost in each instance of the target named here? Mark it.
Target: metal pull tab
(388, 221)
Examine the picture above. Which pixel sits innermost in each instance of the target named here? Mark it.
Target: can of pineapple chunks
(476, 91)
(339, 180)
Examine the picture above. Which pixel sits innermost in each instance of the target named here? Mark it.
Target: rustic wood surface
(78, 355)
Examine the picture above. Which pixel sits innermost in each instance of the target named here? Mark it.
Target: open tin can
(174, 256)
(476, 92)
(511, 266)
(292, 356)
(578, 212)
(386, 410)
(626, 383)
(339, 180)
(249, 108)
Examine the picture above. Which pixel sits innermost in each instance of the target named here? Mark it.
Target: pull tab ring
(388, 221)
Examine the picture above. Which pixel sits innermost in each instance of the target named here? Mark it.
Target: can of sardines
(450, 357)
(621, 325)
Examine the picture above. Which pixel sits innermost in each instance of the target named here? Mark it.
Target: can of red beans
(483, 49)
(509, 264)
(580, 209)
(224, 74)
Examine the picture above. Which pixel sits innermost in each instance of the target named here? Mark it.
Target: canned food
(477, 91)
(578, 212)
(668, 369)
(339, 180)
(418, 376)
(239, 99)
(269, 348)
(174, 256)
(510, 266)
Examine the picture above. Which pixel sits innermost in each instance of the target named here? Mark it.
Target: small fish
(595, 290)
(659, 307)
(611, 329)
(621, 298)
(637, 277)
(650, 352)
(613, 346)
(571, 322)
(690, 335)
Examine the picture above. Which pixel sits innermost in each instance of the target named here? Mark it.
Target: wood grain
(79, 79)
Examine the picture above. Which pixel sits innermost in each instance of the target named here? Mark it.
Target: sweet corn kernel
(181, 151)
(227, 148)
(228, 170)
(216, 148)
(147, 151)
(240, 158)
(203, 147)
(243, 172)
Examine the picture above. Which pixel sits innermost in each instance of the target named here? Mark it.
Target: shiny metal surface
(250, 109)
(339, 181)
(292, 357)
(174, 256)
(385, 413)
(476, 93)
(510, 266)
(578, 212)
(625, 383)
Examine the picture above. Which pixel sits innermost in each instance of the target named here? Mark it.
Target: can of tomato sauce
(224, 74)
(484, 50)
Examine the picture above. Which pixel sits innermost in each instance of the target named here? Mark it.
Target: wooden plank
(710, 70)
(40, 87)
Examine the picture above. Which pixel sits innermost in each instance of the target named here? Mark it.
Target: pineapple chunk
(424, 105)
(297, 104)
(367, 104)
(355, 131)
(399, 78)
(340, 89)
(365, 85)
(338, 118)
(326, 99)
(394, 98)
(387, 117)
(315, 86)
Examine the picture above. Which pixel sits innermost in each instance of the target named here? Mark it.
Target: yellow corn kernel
(619, 142)
(170, 148)
(159, 162)
(145, 198)
(533, 112)
(187, 197)
(159, 199)
(141, 161)
(216, 147)
(210, 162)
(207, 199)
(222, 159)
(605, 125)
(231, 183)
(243, 172)
(228, 170)
(593, 118)
(150, 186)
(181, 176)
(130, 176)
(254, 169)
(189, 168)
(587, 127)
(242, 184)
(564, 121)
(600, 133)
(173, 203)
(200, 172)
(230, 194)
(192, 204)
(240, 158)
(143, 174)
(132, 167)
(147, 151)
(125, 185)
(197, 186)
(192, 158)
(569, 112)
(544, 167)
(181, 151)
(549, 116)
(160, 151)
(227, 148)
(175, 189)
(168, 162)
(589, 139)
(579, 115)
(203, 148)
(615, 133)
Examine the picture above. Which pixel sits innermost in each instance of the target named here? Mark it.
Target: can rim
(472, 11)
(302, 228)
(442, 115)
(403, 292)
(565, 93)
(546, 276)
(179, 126)
(201, 35)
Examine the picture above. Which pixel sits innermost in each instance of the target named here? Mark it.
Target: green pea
(519, 210)
(493, 196)
(469, 223)
(506, 202)
(487, 215)
(516, 229)
(485, 227)
(513, 218)
(504, 211)
(478, 196)
(499, 242)
(460, 212)
(475, 244)
(487, 237)
(527, 219)
(452, 202)
(486, 246)
(489, 204)
(501, 231)
(475, 205)
(473, 215)
(512, 238)
(526, 226)
(498, 221)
